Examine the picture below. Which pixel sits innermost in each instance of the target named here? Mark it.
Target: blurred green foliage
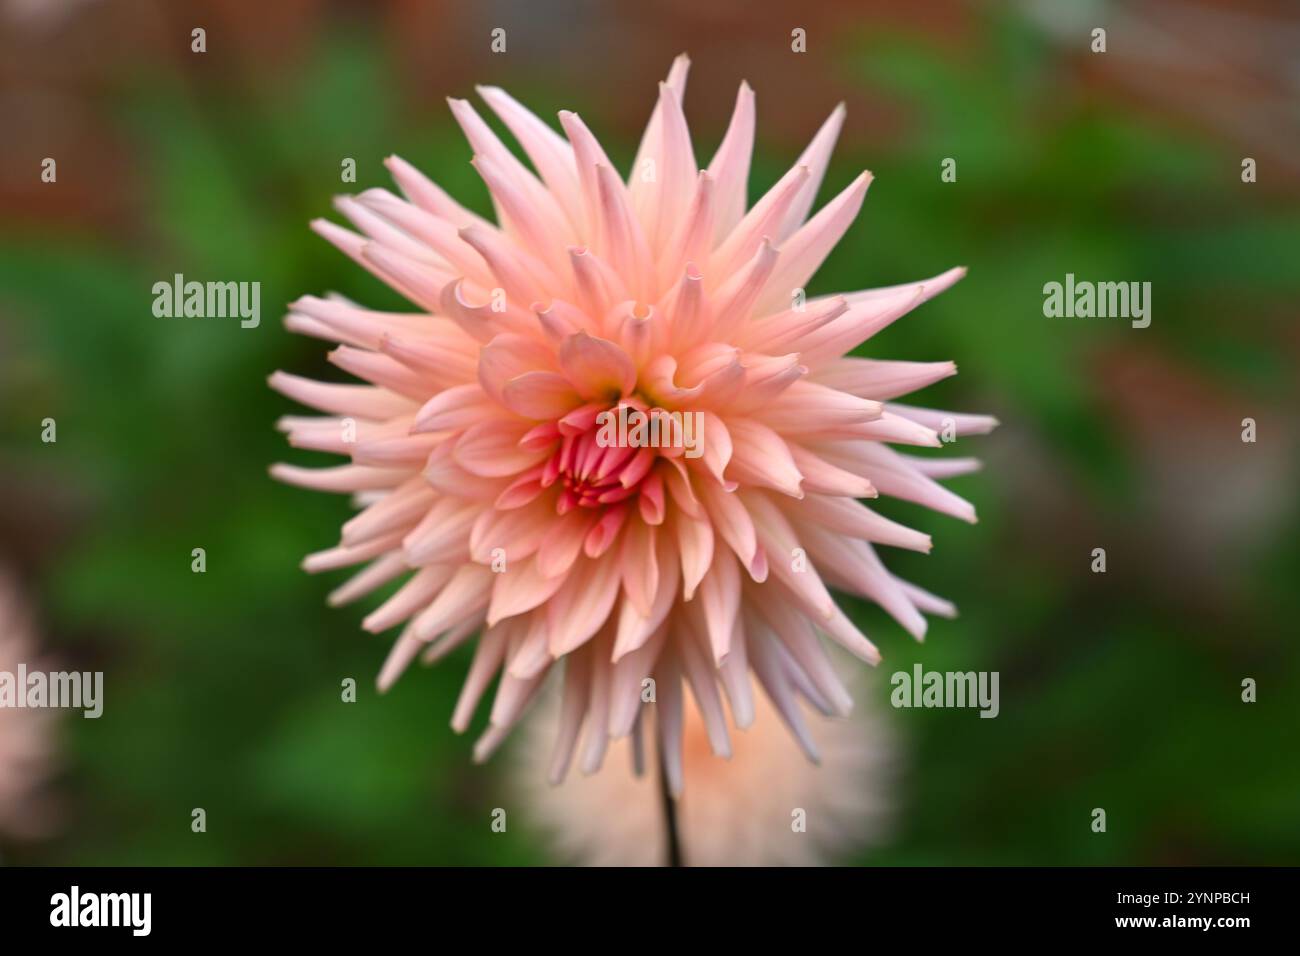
(223, 689)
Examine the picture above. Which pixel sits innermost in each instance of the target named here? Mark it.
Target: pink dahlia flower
(617, 434)
(766, 806)
(27, 744)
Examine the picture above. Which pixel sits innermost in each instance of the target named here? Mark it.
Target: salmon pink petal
(542, 396)
(491, 450)
(596, 368)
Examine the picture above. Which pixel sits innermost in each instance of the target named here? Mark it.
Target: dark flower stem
(669, 807)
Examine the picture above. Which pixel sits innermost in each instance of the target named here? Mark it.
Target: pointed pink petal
(730, 165)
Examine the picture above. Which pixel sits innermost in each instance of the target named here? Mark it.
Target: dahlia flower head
(27, 735)
(485, 473)
(766, 805)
